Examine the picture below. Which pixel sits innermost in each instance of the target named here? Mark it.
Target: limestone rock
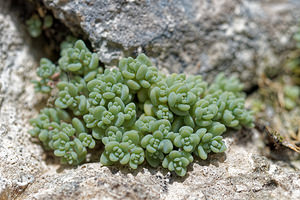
(21, 160)
(192, 36)
(26, 173)
(240, 173)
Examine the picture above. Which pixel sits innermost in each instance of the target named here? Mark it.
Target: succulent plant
(136, 112)
(178, 161)
(138, 73)
(45, 71)
(209, 143)
(186, 139)
(291, 96)
(36, 24)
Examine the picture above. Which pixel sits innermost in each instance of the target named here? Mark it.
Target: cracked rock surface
(192, 36)
(26, 172)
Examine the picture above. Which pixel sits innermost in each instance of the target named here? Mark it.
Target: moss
(137, 113)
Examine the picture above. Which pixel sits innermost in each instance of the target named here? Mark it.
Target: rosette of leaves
(291, 96)
(175, 79)
(138, 73)
(224, 107)
(137, 157)
(69, 141)
(116, 113)
(178, 161)
(61, 137)
(209, 143)
(196, 85)
(126, 151)
(40, 129)
(144, 124)
(163, 126)
(156, 146)
(180, 98)
(163, 112)
(79, 60)
(204, 111)
(232, 111)
(115, 152)
(229, 84)
(158, 93)
(106, 87)
(42, 124)
(186, 139)
(45, 71)
(87, 140)
(66, 44)
(71, 152)
(69, 97)
(34, 26)
(112, 133)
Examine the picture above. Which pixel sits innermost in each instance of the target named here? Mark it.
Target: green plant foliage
(135, 112)
(48, 21)
(178, 161)
(79, 60)
(291, 96)
(35, 24)
(138, 73)
(45, 71)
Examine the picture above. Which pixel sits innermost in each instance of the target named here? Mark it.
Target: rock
(240, 173)
(21, 160)
(27, 173)
(191, 36)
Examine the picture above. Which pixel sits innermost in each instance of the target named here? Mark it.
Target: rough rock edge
(241, 37)
(240, 173)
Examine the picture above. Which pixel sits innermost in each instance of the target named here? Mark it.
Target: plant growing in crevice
(136, 112)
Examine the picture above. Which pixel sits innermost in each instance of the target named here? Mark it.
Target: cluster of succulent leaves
(36, 24)
(136, 112)
(292, 92)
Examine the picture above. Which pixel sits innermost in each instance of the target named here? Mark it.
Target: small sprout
(113, 133)
(186, 139)
(87, 140)
(48, 21)
(45, 71)
(178, 161)
(208, 143)
(181, 99)
(144, 123)
(137, 157)
(115, 152)
(138, 73)
(291, 96)
(223, 83)
(34, 26)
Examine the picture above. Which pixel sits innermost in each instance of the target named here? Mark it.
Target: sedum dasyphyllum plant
(136, 112)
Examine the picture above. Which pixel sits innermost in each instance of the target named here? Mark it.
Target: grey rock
(21, 161)
(192, 36)
(26, 172)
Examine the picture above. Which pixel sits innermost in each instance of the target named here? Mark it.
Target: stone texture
(240, 173)
(192, 36)
(20, 159)
(26, 172)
